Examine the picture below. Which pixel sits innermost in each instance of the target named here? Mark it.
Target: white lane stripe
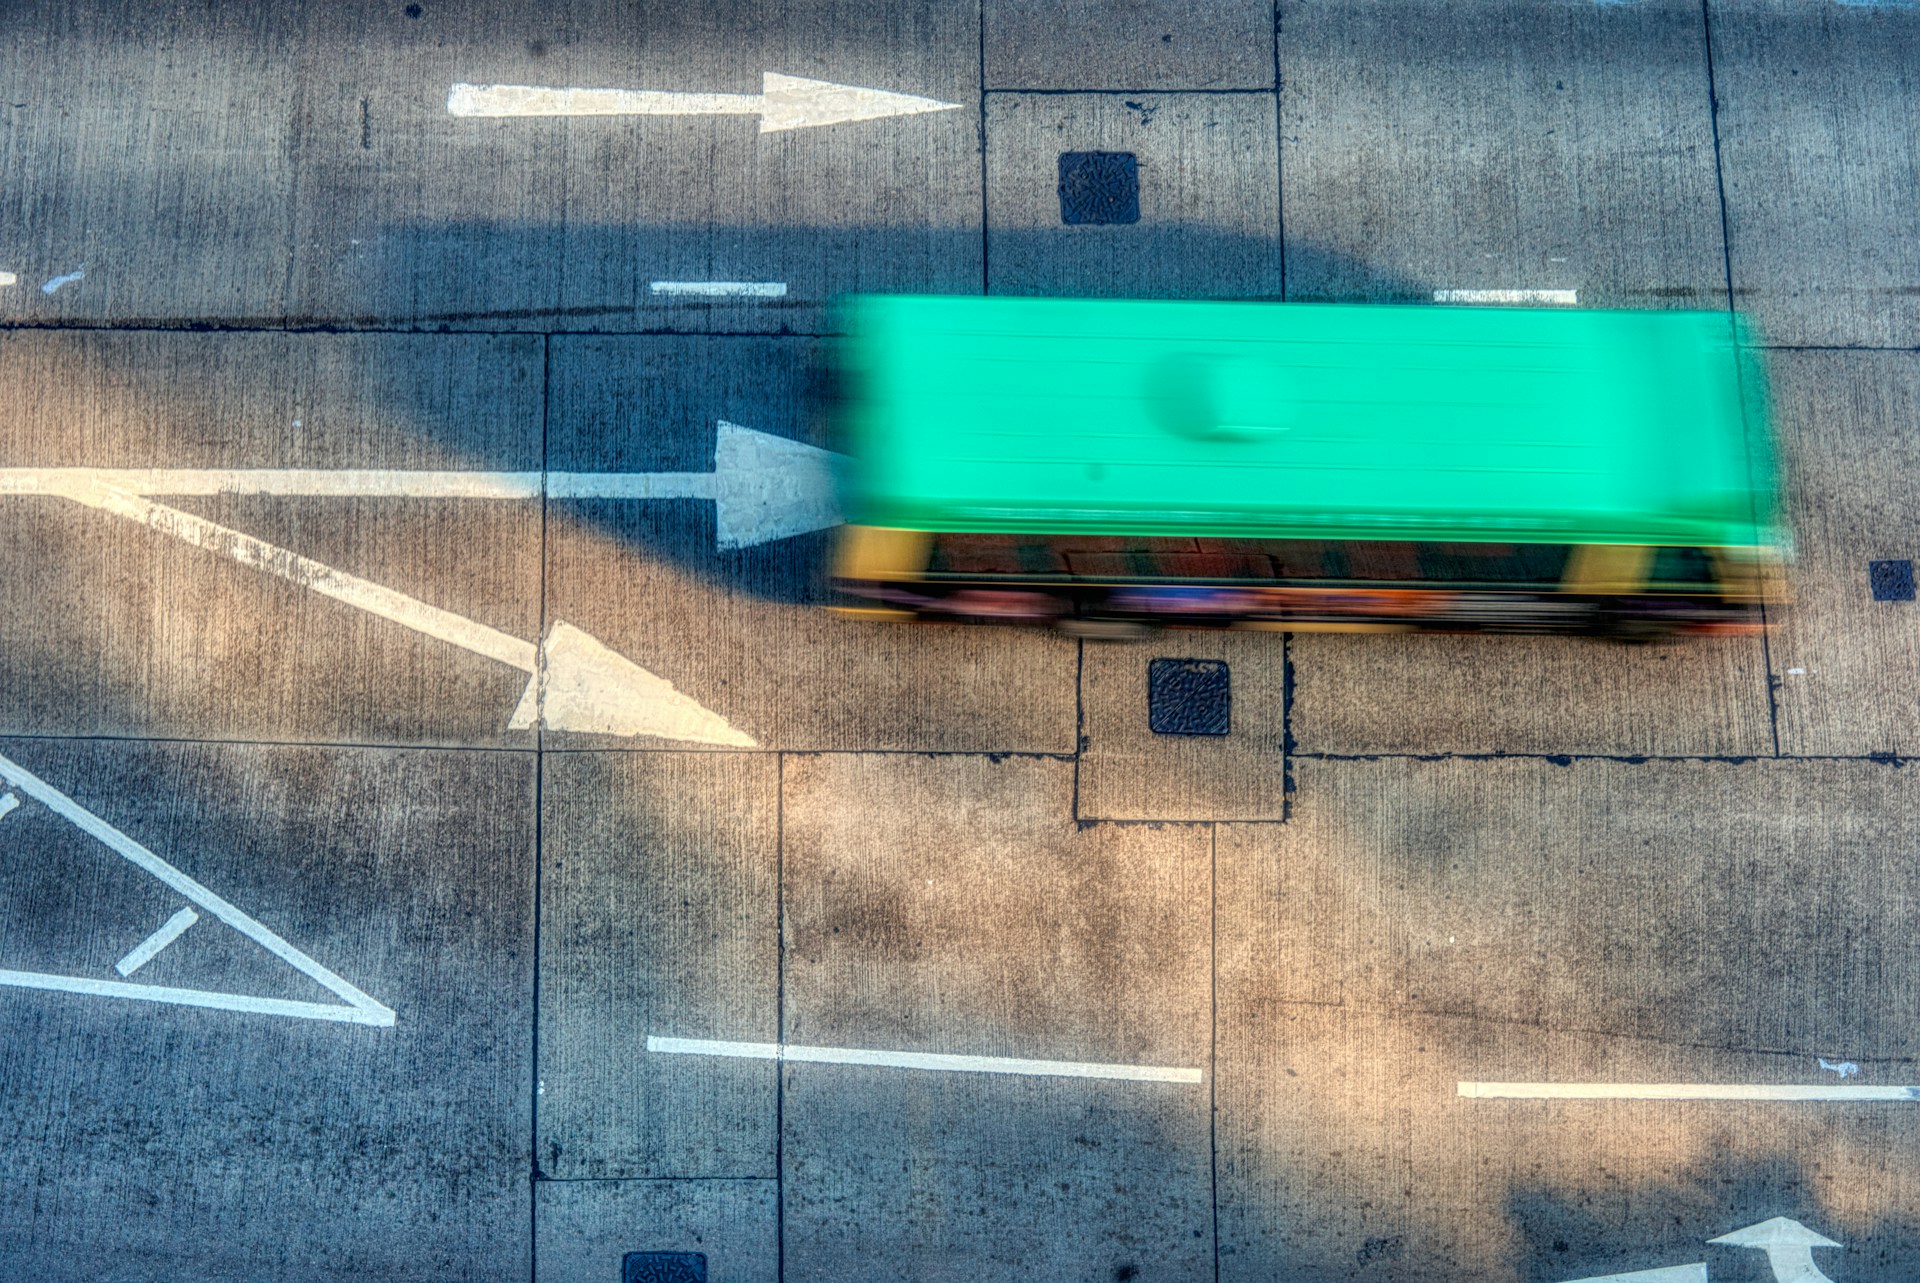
(98, 829)
(721, 289)
(363, 483)
(375, 1015)
(77, 274)
(8, 278)
(144, 952)
(362, 594)
(1561, 298)
(541, 100)
(8, 804)
(1683, 1091)
(919, 1060)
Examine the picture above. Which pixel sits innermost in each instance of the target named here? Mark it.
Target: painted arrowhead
(794, 102)
(767, 487)
(1696, 1273)
(1778, 1232)
(594, 690)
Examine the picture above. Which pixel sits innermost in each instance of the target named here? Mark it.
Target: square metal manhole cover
(664, 1267)
(1891, 580)
(1099, 187)
(1189, 697)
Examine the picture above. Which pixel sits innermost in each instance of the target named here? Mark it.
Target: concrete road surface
(431, 795)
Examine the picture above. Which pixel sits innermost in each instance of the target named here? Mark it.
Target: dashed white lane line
(720, 289)
(1685, 1091)
(8, 278)
(920, 1060)
(77, 274)
(1555, 298)
(144, 952)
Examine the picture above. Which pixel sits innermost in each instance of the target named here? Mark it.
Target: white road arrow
(574, 683)
(1789, 1247)
(784, 102)
(763, 487)
(1695, 1273)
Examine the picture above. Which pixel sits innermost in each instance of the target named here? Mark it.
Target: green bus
(1110, 467)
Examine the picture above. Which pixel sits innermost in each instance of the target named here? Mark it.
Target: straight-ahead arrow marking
(763, 487)
(784, 102)
(1789, 1247)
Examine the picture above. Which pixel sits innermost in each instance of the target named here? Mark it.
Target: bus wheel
(1105, 629)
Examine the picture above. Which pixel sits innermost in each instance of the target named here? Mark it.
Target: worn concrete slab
(303, 166)
(1473, 694)
(1360, 1161)
(573, 220)
(218, 1143)
(585, 1228)
(1844, 661)
(150, 149)
(951, 904)
(1417, 924)
(743, 630)
(1140, 44)
(107, 627)
(1506, 145)
(1818, 154)
(1129, 772)
(1209, 213)
(659, 900)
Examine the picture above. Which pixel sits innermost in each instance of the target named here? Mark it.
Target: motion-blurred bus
(1109, 467)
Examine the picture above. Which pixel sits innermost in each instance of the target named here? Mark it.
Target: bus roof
(1303, 420)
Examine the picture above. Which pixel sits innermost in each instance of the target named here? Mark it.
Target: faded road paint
(720, 289)
(919, 1060)
(1555, 298)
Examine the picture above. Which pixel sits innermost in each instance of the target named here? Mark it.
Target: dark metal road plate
(664, 1267)
(1891, 580)
(1189, 697)
(1099, 187)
